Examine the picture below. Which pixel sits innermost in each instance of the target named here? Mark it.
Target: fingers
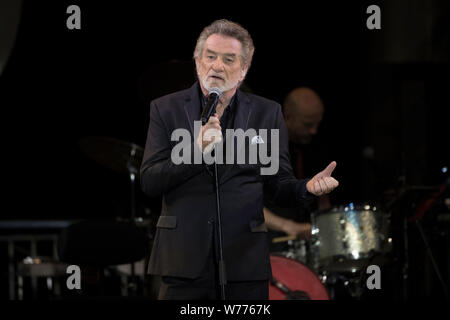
(324, 185)
(329, 169)
(300, 230)
(213, 123)
(306, 231)
(334, 182)
(211, 133)
(212, 128)
(214, 119)
(317, 189)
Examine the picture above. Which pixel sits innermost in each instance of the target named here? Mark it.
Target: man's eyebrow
(225, 54)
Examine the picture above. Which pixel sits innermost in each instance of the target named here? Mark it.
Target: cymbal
(117, 155)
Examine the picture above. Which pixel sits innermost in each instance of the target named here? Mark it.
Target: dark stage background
(385, 93)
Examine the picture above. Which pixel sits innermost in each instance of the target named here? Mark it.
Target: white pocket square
(257, 140)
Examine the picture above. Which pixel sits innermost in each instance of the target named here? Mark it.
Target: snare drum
(345, 238)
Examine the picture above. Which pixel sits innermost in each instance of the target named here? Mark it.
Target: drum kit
(124, 158)
(345, 240)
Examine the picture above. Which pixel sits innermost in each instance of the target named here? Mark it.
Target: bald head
(303, 111)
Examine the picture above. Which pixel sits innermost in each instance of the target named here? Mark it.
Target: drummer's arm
(273, 221)
(287, 226)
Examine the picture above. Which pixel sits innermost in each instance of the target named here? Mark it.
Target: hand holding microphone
(211, 132)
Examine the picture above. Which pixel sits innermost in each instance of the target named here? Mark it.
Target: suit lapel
(191, 106)
(243, 111)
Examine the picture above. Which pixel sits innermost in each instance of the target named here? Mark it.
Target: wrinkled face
(220, 64)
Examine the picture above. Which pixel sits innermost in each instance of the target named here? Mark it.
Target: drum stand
(433, 261)
(290, 294)
(404, 189)
(352, 284)
(132, 171)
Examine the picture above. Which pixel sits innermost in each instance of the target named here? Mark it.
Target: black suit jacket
(185, 228)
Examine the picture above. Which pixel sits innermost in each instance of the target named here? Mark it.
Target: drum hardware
(32, 254)
(399, 203)
(290, 295)
(125, 158)
(40, 268)
(345, 240)
(346, 237)
(433, 261)
(352, 283)
(294, 280)
(295, 249)
(119, 156)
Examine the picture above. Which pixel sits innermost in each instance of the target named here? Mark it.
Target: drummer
(303, 112)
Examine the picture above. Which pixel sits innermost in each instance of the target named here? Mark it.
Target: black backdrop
(61, 85)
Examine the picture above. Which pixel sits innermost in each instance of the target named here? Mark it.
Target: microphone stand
(222, 271)
(209, 109)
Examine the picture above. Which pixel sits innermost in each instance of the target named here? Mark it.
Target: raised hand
(210, 134)
(323, 182)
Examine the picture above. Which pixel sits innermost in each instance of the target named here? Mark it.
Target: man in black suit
(185, 247)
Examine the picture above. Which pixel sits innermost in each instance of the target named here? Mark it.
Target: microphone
(211, 104)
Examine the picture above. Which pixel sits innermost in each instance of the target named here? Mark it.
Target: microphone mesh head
(215, 90)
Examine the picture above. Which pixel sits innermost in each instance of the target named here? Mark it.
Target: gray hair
(230, 29)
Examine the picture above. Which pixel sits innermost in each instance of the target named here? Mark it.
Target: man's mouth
(216, 77)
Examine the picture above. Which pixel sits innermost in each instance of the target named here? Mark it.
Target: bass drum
(291, 280)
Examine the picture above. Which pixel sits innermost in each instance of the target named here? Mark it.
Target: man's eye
(210, 57)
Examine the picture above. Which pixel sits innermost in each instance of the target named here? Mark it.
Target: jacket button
(210, 220)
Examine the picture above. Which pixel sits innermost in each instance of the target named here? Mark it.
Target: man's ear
(243, 73)
(197, 67)
(196, 64)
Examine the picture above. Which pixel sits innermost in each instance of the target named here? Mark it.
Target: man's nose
(218, 65)
(313, 130)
